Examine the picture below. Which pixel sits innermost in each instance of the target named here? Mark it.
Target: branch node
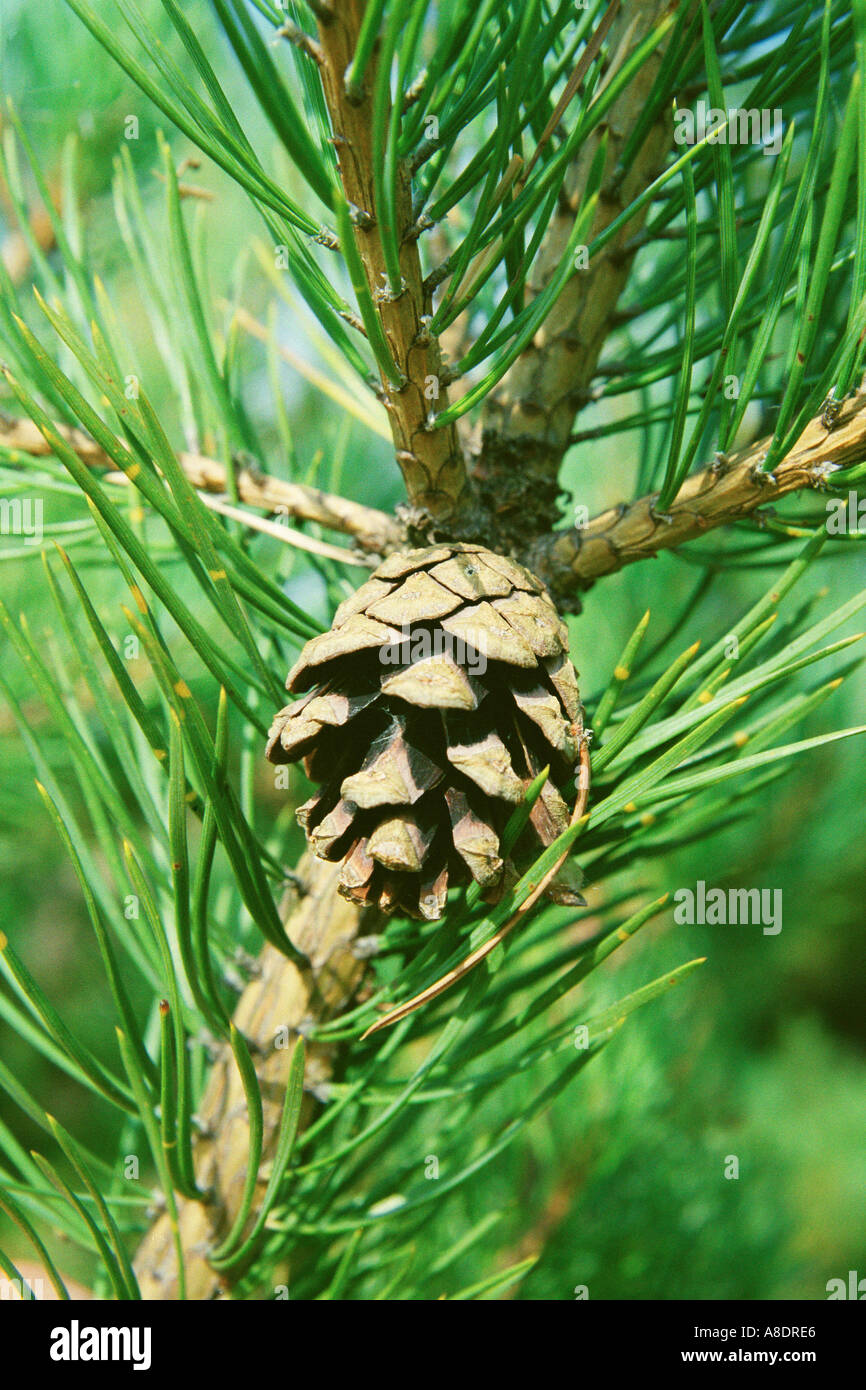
(353, 321)
(326, 238)
(355, 96)
(385, 295)
(320, 1091)
(364, 947)
(233, 980)
(360, 217)
(759, 475)
(424, 223)
(250, 465)
(249, 964)
(666, 517)
(831, 409)
(720, 464)
(423, 337)
(302, 40)
(820, 472)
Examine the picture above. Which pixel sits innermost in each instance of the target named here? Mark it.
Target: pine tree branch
(528, 417)
(431, 460)
(279, 1003)
(718, 495)
(568, 561)
(373, 530)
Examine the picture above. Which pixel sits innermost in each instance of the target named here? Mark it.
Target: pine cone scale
(358, 633)
(489, 634)
(418, 599)
(470, 577)
(435, 682)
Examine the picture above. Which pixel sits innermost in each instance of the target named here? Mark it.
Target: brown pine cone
(442, 689)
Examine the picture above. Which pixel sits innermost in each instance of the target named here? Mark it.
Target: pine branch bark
(280, 1002)
(728, 490)
(431, 461)
(528, 417)
(373, 530)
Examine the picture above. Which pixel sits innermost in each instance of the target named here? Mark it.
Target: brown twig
(725, 492)
(528, 417)
(373, 530)
(431, 460)
(273, 1011)
(587, 58)
(287, 534)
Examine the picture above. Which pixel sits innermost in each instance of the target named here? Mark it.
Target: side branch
(373, 530)
(431, 460)
(528, 417)
(726, 491)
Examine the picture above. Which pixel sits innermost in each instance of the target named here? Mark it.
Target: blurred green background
(761, 1055)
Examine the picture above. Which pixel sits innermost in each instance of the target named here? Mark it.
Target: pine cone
(442, 689)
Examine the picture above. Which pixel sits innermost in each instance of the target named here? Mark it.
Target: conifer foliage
(550, 329)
